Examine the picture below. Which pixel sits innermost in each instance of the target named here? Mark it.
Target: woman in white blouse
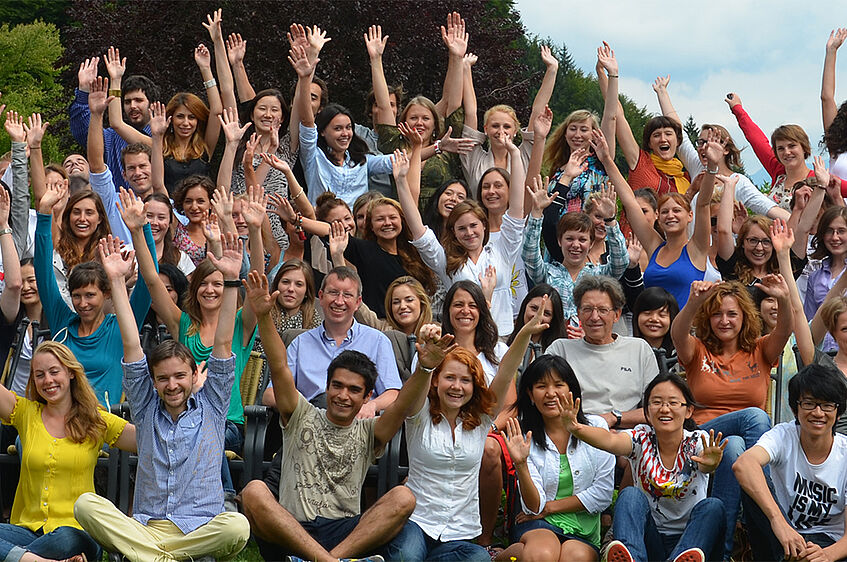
(564, 483)
(445, 440)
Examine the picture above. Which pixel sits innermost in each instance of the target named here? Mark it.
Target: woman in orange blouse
(62, 430)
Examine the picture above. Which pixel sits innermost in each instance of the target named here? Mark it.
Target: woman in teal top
(91, 334)
(565, 484)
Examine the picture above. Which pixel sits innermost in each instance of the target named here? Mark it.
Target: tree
(691, 129)
(30, 78)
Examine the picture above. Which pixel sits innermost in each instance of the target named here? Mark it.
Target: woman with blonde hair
(294, 307)
(407, 308)
(62, 430)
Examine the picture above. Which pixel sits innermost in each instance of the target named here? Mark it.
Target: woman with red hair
(445, 440)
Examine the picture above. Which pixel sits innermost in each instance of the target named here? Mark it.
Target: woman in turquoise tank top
(678, 261)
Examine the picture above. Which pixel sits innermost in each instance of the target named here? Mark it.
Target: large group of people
(603, 345)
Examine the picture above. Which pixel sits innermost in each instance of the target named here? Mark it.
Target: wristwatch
(618, 416)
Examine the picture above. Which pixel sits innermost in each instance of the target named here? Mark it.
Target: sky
(769, 52)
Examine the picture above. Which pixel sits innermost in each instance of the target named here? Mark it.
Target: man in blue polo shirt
(310, 353)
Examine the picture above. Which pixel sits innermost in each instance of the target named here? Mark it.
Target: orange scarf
(673, 169)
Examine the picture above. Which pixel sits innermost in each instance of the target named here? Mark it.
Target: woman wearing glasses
(728, 364)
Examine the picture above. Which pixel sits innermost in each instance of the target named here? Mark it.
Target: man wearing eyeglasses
(311, 352)
(613, 370)
(802, 516)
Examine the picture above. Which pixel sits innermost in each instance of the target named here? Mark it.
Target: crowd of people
(612, 370)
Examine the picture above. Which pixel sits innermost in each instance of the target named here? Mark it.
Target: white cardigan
(593, 472)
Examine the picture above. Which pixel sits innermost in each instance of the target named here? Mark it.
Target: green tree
(30, 78)
(691, 129)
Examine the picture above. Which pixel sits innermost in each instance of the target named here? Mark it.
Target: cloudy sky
(769, 52)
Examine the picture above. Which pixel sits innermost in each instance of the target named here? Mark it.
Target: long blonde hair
(83, 421)
(558, 151)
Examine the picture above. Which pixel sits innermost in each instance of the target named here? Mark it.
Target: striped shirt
(179, 462)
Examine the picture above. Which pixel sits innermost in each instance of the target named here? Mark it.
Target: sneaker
(229, 502)
(374, 558)
(617, 552)
(690, 555)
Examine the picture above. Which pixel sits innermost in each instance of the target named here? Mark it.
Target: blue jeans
(413, 545)
(742, 430)
(61, 543)
(233, 441)
(634, 526)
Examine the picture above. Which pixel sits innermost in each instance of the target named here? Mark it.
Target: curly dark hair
(835, 137)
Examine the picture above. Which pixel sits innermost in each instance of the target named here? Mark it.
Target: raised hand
(5, 208)
(577, 163)
(87, 72)
(517, 445)
(543, 123)
(211, 229)
(460, 145)
(454, 35)
(54, 196)
(782, 237)
(568, 411)
(399, 164)
(229, 124)
(222, 201)
(715, 146)
(116, 263)
(700, 290)
(132, 209)
(280, 206)
(606, 57)
(633, 249)
(274, 140)
(710, 457)
(230, 261)
(536, 325)
(300, 62)
(275, 162)
(297, 36)
(433, 347)
(375, 41)
(317, 39)
(338, 240)
(236, 49)
(410, 134)
(607, 202)
(548, 58)
(601, 147)
(98, 98)
(661, 84)
(540, 198)
(159, 119)
(821, 173)
(469, 60)
(774, 285)
(260, 300)
(202, 56)
(732, 99)
(14, 126)
(836, 39)
(213, 25)
(250, 149)
(115, 65)
(488, 282)
(254, 208)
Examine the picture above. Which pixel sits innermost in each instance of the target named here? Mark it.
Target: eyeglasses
(753, 242)
(701, 143)
(810, 405)
(335, 293)
(601, 310)
(672, 404)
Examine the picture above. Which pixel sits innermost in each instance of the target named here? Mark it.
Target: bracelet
(438, 146)
(427, 370)
(116, 93)
(296, 196)
(609, 219)
(614, 76)
(493, 428)
(235, 283)
(210, 83)
(5, 231)
(713, 172)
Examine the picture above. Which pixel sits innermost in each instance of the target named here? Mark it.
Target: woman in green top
(421, 114)
(564, 484)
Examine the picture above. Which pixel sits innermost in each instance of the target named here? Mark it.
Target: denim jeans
(634, 526)
(413, 545)
(742, 430)
(61, 543)
(233, 441)
(763, 542)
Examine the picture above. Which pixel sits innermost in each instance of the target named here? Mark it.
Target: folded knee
(83, 506)
(403, 499)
